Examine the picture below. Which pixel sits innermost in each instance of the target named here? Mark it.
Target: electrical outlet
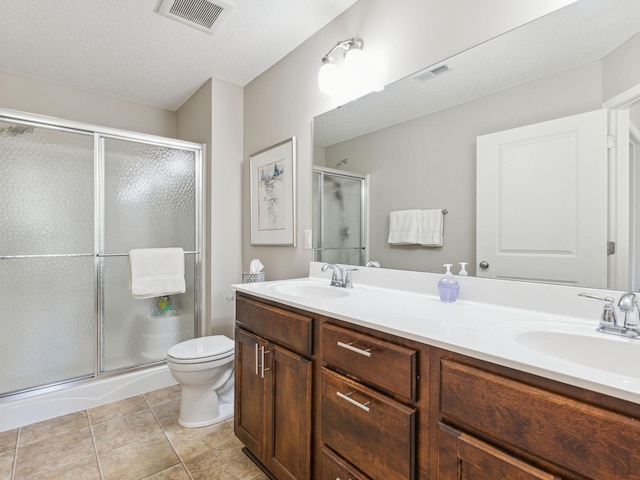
(308, 239)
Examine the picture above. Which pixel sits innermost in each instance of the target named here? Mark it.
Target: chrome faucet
(339, 277)
(373, 263)
(627, 305)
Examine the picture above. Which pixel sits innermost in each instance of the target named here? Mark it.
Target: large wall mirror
(423, 142)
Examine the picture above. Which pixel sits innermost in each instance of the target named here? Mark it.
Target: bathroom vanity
(389, 384)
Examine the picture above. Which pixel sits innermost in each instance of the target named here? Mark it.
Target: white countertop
(502, 332)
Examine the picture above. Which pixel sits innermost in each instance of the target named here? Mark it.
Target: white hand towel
(156, 272)
(431, 228)
(403, 227)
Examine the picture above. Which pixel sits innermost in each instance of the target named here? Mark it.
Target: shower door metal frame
(364, 209)
(99, 133)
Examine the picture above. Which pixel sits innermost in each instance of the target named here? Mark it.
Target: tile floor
(132, 439)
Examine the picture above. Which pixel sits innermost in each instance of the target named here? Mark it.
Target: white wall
(405, 36)
(213, 115)
(624, 61)
(43, 98)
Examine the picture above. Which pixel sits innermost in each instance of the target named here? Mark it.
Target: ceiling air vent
(204, 15)
(424, 75)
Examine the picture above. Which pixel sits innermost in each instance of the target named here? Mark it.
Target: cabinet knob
(483, 265)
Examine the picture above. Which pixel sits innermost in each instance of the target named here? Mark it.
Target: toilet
(204, 369)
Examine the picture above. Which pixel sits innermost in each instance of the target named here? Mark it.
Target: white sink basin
(609, 353)
(307, 290)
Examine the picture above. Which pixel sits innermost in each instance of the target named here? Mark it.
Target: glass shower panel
(342, 220)
(136, 332)
(149, 202)
(47, 271)
(46, 191)
(150, 196)
(47, 321)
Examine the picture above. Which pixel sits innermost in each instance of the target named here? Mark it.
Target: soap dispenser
(448, 287)
(463, 269)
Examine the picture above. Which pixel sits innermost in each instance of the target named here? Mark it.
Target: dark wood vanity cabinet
(273, 388)
(320, 398)
(498, 423)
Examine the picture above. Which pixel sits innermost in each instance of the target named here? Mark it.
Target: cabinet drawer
(281, 326)
(587, 439)
(373, 432)
(334, 468)
(374, 361)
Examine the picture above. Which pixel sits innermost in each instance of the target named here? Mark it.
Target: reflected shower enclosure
(75, 199)
(340, 223)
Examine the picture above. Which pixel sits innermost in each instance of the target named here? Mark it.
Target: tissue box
(253, 277)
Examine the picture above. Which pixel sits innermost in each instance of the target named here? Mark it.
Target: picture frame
(272, 174)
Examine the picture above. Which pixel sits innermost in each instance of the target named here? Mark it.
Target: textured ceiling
(123, 49)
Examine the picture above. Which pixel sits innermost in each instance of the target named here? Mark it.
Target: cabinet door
(250, 414)
(289, 394)
(463, 457)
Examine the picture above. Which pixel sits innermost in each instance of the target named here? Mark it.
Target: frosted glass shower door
(150, 200)
(47, 267)
(339, 217)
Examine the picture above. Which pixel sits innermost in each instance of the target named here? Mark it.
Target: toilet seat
(200, 350)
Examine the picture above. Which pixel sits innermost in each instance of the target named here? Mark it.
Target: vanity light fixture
(351, 73)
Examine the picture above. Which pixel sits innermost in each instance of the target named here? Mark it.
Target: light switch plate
(308, 239)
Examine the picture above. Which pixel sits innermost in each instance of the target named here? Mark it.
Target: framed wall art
(273, 195)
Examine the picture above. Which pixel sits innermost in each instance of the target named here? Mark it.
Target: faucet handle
(608, 315)
(348, 280)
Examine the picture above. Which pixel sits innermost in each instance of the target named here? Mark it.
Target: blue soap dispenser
(448, 287)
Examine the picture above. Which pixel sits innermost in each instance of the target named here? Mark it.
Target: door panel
(542, 201)
(249, 413)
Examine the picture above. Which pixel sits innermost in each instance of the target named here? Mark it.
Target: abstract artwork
(273, 186)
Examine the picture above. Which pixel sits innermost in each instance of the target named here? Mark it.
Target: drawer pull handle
(347, 396)
(349, 346)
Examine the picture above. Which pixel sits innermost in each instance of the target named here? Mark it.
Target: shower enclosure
(340, 223)
(74, 199)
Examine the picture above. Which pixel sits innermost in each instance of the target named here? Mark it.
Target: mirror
(417, 138)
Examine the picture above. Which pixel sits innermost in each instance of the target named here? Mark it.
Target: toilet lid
(203, 347)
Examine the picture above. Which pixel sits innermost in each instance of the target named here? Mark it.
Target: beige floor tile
(37, 432)
(226, 462)
(177, 472)
(164, 395)
(87, 470)
(8, 440)
(191, 442)
(168, 414)
(6, 464)
(53, 453)
(138, 460)
(124, 430)
(117, 409)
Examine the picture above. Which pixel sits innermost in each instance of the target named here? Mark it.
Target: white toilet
(204, 368)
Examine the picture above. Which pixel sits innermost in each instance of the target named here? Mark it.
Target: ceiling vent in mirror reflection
(425, 75)
(203, 15)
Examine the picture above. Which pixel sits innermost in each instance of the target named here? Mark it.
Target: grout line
(15, 456)
(164, 432)
(95, 446)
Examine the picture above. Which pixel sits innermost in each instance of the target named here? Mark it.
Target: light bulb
(328, 80)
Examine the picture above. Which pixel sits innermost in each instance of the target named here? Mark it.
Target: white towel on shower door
(156, 272)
